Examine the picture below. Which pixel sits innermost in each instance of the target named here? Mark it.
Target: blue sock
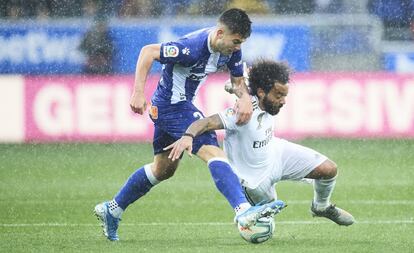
(227, 182)
(137, 185)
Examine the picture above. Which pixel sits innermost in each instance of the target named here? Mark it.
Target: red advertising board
(76, 108)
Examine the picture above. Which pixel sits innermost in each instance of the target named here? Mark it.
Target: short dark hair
(237, 21)
(264, 73)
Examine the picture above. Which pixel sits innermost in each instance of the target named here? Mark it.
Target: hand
(228, 86)
(138, 102)
(244, 109)
(178, 147)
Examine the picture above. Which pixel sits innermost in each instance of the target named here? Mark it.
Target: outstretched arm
(147, 56)
(198, 127)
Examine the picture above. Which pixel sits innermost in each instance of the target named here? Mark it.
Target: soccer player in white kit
(258, 158)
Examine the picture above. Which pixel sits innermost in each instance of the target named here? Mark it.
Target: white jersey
(251, 148)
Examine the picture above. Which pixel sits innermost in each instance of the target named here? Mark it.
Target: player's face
(275, 99)
(228, 42)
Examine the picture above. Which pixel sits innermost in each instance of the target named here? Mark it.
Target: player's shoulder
(198, 35)
(196, 41)
(187, 49)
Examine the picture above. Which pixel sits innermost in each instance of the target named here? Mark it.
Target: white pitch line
(295, 202)
(360, 202)
(298, 222)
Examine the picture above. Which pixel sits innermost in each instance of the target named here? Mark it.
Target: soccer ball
(261, 232)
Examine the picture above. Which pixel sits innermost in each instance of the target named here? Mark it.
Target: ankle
(114, 209)
(242, 208)
(320, 206)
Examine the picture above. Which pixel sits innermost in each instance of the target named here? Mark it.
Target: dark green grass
(48, 193)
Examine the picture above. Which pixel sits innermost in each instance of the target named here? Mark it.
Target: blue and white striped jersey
(186, 64)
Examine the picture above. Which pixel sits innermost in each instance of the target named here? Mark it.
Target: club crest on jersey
(259, 120)
(170, 51)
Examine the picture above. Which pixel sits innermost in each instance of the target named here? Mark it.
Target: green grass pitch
(48, 193)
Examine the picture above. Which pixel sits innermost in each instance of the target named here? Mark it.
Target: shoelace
(273, 211)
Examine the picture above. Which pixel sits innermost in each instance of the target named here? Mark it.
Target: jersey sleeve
(235, 64)
(177, 52)
(228, 117)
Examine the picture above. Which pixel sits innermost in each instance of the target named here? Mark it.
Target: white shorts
(296, 162)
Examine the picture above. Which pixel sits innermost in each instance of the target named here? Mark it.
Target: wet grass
(48, 192)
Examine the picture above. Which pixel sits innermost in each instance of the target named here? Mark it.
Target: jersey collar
(255, 102)
(208, 42)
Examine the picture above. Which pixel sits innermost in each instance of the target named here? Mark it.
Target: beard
(223, 49)
(270, 108)
(226, 51)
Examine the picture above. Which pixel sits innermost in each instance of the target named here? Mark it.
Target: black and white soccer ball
(260, 232)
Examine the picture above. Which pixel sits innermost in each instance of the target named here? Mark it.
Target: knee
(163, 173)
(326, 170)
(330, 169)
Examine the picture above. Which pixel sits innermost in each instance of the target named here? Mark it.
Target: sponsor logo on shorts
(170, 51)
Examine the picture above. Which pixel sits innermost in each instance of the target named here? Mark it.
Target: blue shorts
(170, 123)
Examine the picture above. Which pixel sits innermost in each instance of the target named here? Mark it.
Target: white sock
(241, 208)
(323, 189)
(153, 180)
(114, 209)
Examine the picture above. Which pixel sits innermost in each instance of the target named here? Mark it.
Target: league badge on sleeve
(170, 51)
(230, 112)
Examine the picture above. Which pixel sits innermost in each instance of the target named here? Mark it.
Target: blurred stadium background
(69, 140)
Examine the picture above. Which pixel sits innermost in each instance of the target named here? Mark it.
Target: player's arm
(147, 56)
(198, 127)
(244, 105)
(238, 75)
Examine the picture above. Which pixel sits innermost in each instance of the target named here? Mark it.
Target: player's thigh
(171, 123)
(207, 152)
(298, 161)
(206, 144)
(264, 193)
(161, 140)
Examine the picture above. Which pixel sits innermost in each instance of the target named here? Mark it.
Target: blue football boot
(109, 223)
(251, 215)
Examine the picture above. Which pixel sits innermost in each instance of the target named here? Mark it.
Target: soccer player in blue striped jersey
(186, 64)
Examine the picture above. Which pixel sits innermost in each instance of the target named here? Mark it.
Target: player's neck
(212, 41)
(260, 103)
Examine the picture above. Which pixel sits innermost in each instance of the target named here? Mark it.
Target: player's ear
(260, 93)
(220, 32)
